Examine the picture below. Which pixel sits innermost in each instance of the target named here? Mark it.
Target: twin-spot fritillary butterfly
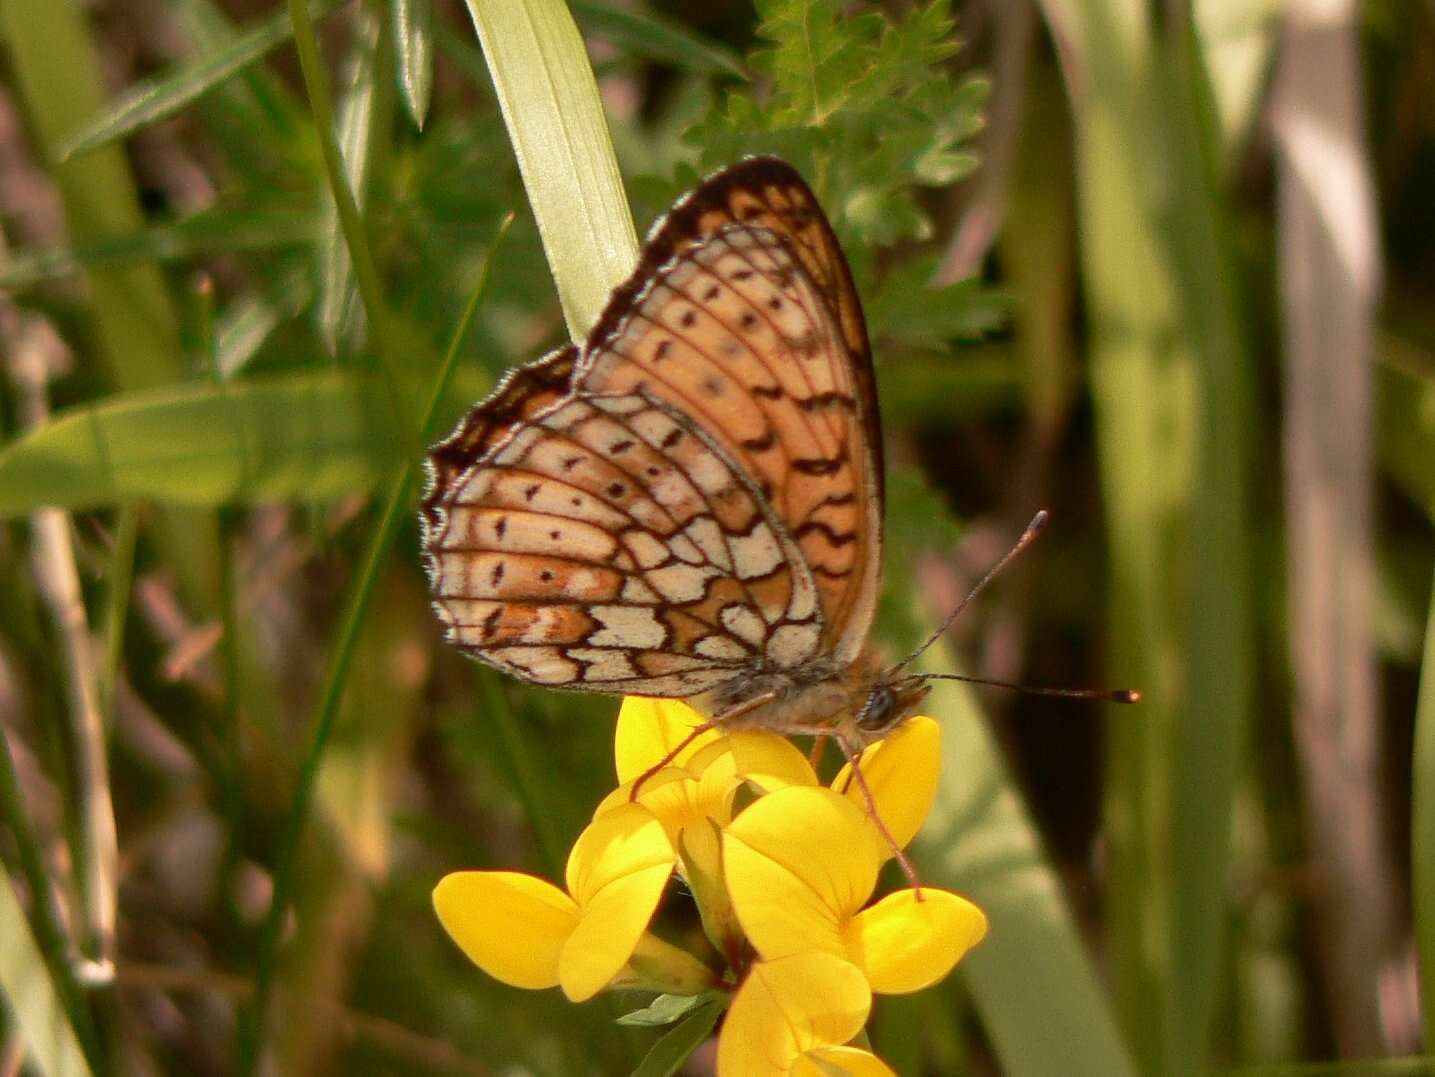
(690, 505)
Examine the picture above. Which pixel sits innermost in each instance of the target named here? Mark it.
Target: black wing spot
(619, 447)
(555, 535)
(748, 320)
(762, 444)
(546, 575)
(712, 386)
(500, 526)
(615, 489)
(689, 318)
(833, 536)
(672, 437)
(490, 623)
(775, 302)
(768, 392)
(711, 293)
(576, 502)
(742, 274)
(818, 465)
(654, 470)
(530, 492)
(661, 351)
(569, 463)
(497, 574)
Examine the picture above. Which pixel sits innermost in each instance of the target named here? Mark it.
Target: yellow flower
(799, 882)
(693, 795)
(528, 933)
(696, 789)
(793, 1015)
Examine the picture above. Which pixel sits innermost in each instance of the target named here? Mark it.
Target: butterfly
(691, 504)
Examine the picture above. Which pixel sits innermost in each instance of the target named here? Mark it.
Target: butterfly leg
(745, 707)
(903, 861)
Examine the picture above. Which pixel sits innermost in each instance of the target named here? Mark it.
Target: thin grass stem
(395, 507)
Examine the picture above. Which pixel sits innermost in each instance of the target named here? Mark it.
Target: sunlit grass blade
(648, 35)
(307, 436)
(396, 504)
(41, 1027)
(1422, 824)
(162, 96)
(555, 120)
(413, 46)
(1033, 984)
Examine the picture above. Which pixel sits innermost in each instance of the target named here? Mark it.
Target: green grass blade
(1422, 828)
(1210, 738)
(645, 34)
(205, 233)
(555, 120)
(157, 98)
(413, 44)
(1031, 979)
(360, 127)
(309, 436)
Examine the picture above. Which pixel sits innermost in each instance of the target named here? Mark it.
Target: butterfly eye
(877, 714)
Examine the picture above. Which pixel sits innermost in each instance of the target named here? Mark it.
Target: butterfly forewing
(696, 496)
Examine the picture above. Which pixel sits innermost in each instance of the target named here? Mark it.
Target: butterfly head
(893, 698)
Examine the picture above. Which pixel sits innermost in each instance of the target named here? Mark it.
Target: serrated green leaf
(308, 437)
(413, 44)
(645, 34)
(162, 96)
(670, 1052)
(665, 1009)
(908, 309)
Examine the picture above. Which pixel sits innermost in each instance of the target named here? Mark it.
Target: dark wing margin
(525, 391)
(765, 191)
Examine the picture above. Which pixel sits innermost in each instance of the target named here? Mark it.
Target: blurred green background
(1166, 269)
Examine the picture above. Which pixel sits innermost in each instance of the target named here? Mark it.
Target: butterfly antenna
(1033, 529)
(1105, 695)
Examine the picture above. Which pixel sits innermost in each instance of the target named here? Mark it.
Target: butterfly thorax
(856, 700)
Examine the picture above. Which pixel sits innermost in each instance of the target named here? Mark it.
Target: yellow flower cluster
(782, 886)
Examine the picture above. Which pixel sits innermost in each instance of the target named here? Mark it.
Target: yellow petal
(798, 865)
(648, 729)
(905, 945)
(513, 926)
(624, 841)
(851, 1061)
(787, 1007)
(612, 921)
(769, 761)
(902, 771)
(812, 832)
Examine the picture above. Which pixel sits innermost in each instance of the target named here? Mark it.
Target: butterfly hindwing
(742, 313)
